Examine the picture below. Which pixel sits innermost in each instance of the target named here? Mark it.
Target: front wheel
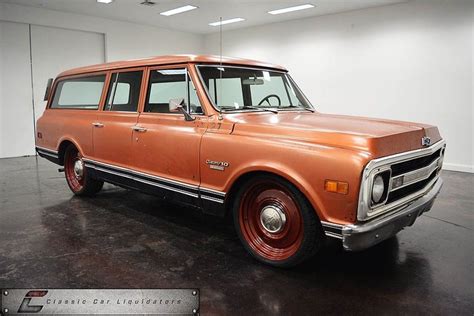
(77, 177)
(275, 222)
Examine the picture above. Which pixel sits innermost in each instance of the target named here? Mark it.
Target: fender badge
(217, 165)
(425, 141)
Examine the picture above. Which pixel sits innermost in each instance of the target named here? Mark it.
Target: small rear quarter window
(79, 93)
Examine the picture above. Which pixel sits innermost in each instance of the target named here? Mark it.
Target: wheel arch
(63, 144)
(246, 175)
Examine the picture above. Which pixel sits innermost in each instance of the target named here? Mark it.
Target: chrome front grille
(415, 164)
(412, 174)
(406, 183)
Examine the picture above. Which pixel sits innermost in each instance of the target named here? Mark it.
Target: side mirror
(177, 105)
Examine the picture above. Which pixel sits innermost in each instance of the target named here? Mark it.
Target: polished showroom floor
(125, 239)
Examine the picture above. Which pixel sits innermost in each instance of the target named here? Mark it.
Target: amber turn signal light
(336, 186)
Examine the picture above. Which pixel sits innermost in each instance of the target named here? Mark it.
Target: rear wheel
(275, 222)
(77, 177)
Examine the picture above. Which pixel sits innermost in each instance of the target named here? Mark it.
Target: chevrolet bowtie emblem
(425, 141)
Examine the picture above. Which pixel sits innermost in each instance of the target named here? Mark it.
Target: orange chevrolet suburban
(238, 137)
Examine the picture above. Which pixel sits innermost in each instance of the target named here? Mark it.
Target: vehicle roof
(170, 60)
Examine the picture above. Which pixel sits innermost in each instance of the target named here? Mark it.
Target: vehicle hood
(379, 137)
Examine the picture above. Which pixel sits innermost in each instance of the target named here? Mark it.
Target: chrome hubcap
(78, 169)
(273, 218)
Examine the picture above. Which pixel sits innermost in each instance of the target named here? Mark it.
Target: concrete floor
(124, 239)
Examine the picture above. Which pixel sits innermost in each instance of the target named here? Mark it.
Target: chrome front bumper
(364, 235)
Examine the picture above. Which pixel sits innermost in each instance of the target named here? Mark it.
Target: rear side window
(79, 93)
(124, 91)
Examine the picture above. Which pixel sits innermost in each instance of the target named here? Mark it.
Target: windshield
(232, 88)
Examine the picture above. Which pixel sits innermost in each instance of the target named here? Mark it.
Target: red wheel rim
(74, 177)
(282, 243)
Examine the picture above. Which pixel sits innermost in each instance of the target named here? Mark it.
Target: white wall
(55, 49)
(124, 40)
(60, 41)
(31, 52)
(409, 61)
(16, 111)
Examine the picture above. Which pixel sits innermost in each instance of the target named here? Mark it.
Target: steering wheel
(268, 97)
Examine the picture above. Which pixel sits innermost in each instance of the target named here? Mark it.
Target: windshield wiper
(260, 108)
(250, 107)
(301, 107)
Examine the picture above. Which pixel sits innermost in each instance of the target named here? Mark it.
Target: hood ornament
(425, 141)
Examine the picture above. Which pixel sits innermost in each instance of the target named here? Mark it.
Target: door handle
(97, 124)
(139, 129)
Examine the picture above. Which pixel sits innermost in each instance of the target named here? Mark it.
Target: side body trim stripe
(141, 174)
(46, 151)
(167, 184)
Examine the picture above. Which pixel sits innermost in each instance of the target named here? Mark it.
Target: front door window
(167, 84)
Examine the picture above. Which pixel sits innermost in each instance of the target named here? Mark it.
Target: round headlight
(378, 189)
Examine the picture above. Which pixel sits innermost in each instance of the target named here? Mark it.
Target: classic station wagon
(238, 137)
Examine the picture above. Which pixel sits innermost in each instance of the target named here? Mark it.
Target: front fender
(306, 166)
